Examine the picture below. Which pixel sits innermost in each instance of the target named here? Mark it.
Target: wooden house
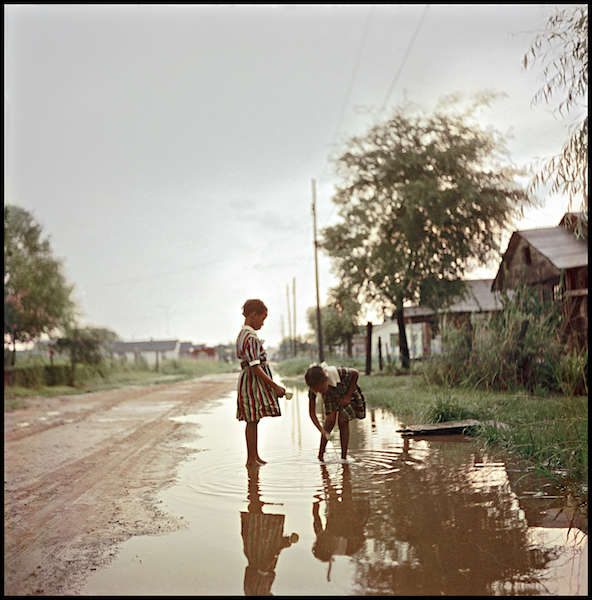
(554, 260)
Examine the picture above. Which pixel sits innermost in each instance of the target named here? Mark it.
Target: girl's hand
(279, 390)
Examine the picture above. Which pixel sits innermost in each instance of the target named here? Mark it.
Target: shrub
(515, 349)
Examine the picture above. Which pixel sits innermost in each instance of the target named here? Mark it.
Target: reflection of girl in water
(346, 518)
(263, 540)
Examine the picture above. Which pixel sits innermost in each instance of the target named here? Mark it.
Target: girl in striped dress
(257, 392)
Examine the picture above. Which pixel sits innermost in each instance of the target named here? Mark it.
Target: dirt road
(82, 474)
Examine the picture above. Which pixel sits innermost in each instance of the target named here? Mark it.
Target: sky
(168, 151)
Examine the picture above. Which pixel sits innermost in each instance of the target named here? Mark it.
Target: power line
(351, 82)
(407, 53)
(355, 71)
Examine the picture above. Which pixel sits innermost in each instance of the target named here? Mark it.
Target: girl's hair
(253, 306)
(314, 376)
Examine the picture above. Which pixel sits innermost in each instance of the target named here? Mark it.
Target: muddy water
(404, 517)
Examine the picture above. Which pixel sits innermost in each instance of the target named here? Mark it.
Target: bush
(31, 376)
(513, 350)
(57, 375)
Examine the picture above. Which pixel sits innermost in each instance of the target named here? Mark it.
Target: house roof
(478, 298)
(151, 346)
(558, 244)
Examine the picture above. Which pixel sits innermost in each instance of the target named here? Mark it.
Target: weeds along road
(82, 473)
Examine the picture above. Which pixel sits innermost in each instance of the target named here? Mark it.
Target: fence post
(368, 348)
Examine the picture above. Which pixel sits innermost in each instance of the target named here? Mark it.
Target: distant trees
(563, 47)
(37, 298)
(338, 319)
(84, 345)
(422, 197)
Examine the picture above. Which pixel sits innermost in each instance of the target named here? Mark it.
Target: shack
(554, 260)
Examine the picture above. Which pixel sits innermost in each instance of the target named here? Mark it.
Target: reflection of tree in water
(263, 540)
(437, 527)
(345, 517)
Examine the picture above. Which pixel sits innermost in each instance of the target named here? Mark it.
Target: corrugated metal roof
(479, 298)
(559, 245)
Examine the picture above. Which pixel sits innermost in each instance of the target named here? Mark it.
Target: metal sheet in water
(401, 517)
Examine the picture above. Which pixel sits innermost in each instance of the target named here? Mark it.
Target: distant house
(190, 350)
(555, 261)
(203, 351)
(420, 322)
(153, 352)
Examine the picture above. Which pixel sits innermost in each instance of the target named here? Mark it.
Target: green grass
(119, 375)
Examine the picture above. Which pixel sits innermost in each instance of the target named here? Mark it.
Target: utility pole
(294, 298)
(284, 339)
(289, 315)
(316, 247)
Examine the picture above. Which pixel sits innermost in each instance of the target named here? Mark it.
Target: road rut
(82, 474)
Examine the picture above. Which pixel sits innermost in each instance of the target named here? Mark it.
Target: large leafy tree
(37, 298)
(563, 49)
(422, 198)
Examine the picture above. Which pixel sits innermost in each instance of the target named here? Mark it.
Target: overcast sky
(168, 151)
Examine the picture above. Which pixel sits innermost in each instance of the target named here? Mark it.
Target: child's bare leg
(344, 436)
(328, 427)
(251, 436)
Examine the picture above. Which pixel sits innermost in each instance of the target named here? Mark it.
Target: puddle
(401, 517)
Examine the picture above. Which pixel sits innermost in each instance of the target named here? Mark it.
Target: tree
(84, 346)
(342, 299)
(338, 319)
(36, 294)
(422, 198)
(563, 47)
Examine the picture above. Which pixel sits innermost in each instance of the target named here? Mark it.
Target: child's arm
(351, 388)
(259, 372)
(313, 417)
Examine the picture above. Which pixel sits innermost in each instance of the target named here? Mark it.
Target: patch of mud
(83, 476)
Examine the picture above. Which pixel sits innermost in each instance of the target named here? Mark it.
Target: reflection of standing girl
(263, 540)
(257, 392)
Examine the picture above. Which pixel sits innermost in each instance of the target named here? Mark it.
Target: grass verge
(118, 376)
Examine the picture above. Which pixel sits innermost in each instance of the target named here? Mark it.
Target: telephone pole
(294, 298)
(289, 316)
(316, 246)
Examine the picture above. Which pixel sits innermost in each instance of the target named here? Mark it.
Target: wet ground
(401, 516)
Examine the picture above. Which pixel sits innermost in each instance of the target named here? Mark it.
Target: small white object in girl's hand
(289, 395)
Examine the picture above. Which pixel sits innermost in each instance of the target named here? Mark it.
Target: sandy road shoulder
(82, 475)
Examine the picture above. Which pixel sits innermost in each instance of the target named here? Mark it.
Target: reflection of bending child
(342, 399)
(346, 517)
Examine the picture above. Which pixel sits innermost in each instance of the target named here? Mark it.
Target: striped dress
(255, 399)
